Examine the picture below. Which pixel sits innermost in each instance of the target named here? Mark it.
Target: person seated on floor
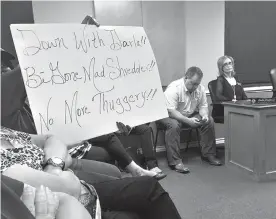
(112, 144)
(44, 160)
(228, 88)
(187, 106)
(37, 203)
(145, 134)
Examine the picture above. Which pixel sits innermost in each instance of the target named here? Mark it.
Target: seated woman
(114, 147)
(228, 88)
(112, 144)
(43, 160)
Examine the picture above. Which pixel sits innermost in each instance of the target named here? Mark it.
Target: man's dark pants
(172, 129)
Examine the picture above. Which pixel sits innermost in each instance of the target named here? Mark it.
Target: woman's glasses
(227, 63)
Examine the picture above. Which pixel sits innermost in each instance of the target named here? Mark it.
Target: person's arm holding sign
(53, 149)
(53, 174)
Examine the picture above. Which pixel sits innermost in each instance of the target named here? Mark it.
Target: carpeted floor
(210, 192)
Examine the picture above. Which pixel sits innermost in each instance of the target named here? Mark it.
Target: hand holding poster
(81, 80)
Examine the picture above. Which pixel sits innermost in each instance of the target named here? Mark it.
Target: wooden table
(250, 138)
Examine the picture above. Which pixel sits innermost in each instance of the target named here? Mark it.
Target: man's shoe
(212, 160)
(180, 168)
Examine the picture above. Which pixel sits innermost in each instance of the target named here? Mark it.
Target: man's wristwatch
(56, 162)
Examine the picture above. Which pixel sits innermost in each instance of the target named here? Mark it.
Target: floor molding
(161, 148)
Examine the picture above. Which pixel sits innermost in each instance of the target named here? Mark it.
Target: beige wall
(164, 25)
(181, 33)
(62, 11)
(204, 27)
(119, 13)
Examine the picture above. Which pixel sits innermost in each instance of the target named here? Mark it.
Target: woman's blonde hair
(220, 63)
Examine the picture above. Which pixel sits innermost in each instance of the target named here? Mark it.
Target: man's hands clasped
(195, 122)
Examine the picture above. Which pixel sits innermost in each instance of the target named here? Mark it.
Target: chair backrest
(273, 80)
(218, 109)
(212, 85)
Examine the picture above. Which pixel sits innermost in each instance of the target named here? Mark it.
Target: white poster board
(81, 79)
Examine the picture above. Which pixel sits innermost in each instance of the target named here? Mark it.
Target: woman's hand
(123, 129)
(68, 161)
(42, 202)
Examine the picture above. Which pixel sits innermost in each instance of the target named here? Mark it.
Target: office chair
(218, 108)
(272, 74)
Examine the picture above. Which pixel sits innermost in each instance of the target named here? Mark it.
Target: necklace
(233, 83)
(235, 98)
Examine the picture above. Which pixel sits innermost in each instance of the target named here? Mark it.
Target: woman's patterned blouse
(23, 152)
